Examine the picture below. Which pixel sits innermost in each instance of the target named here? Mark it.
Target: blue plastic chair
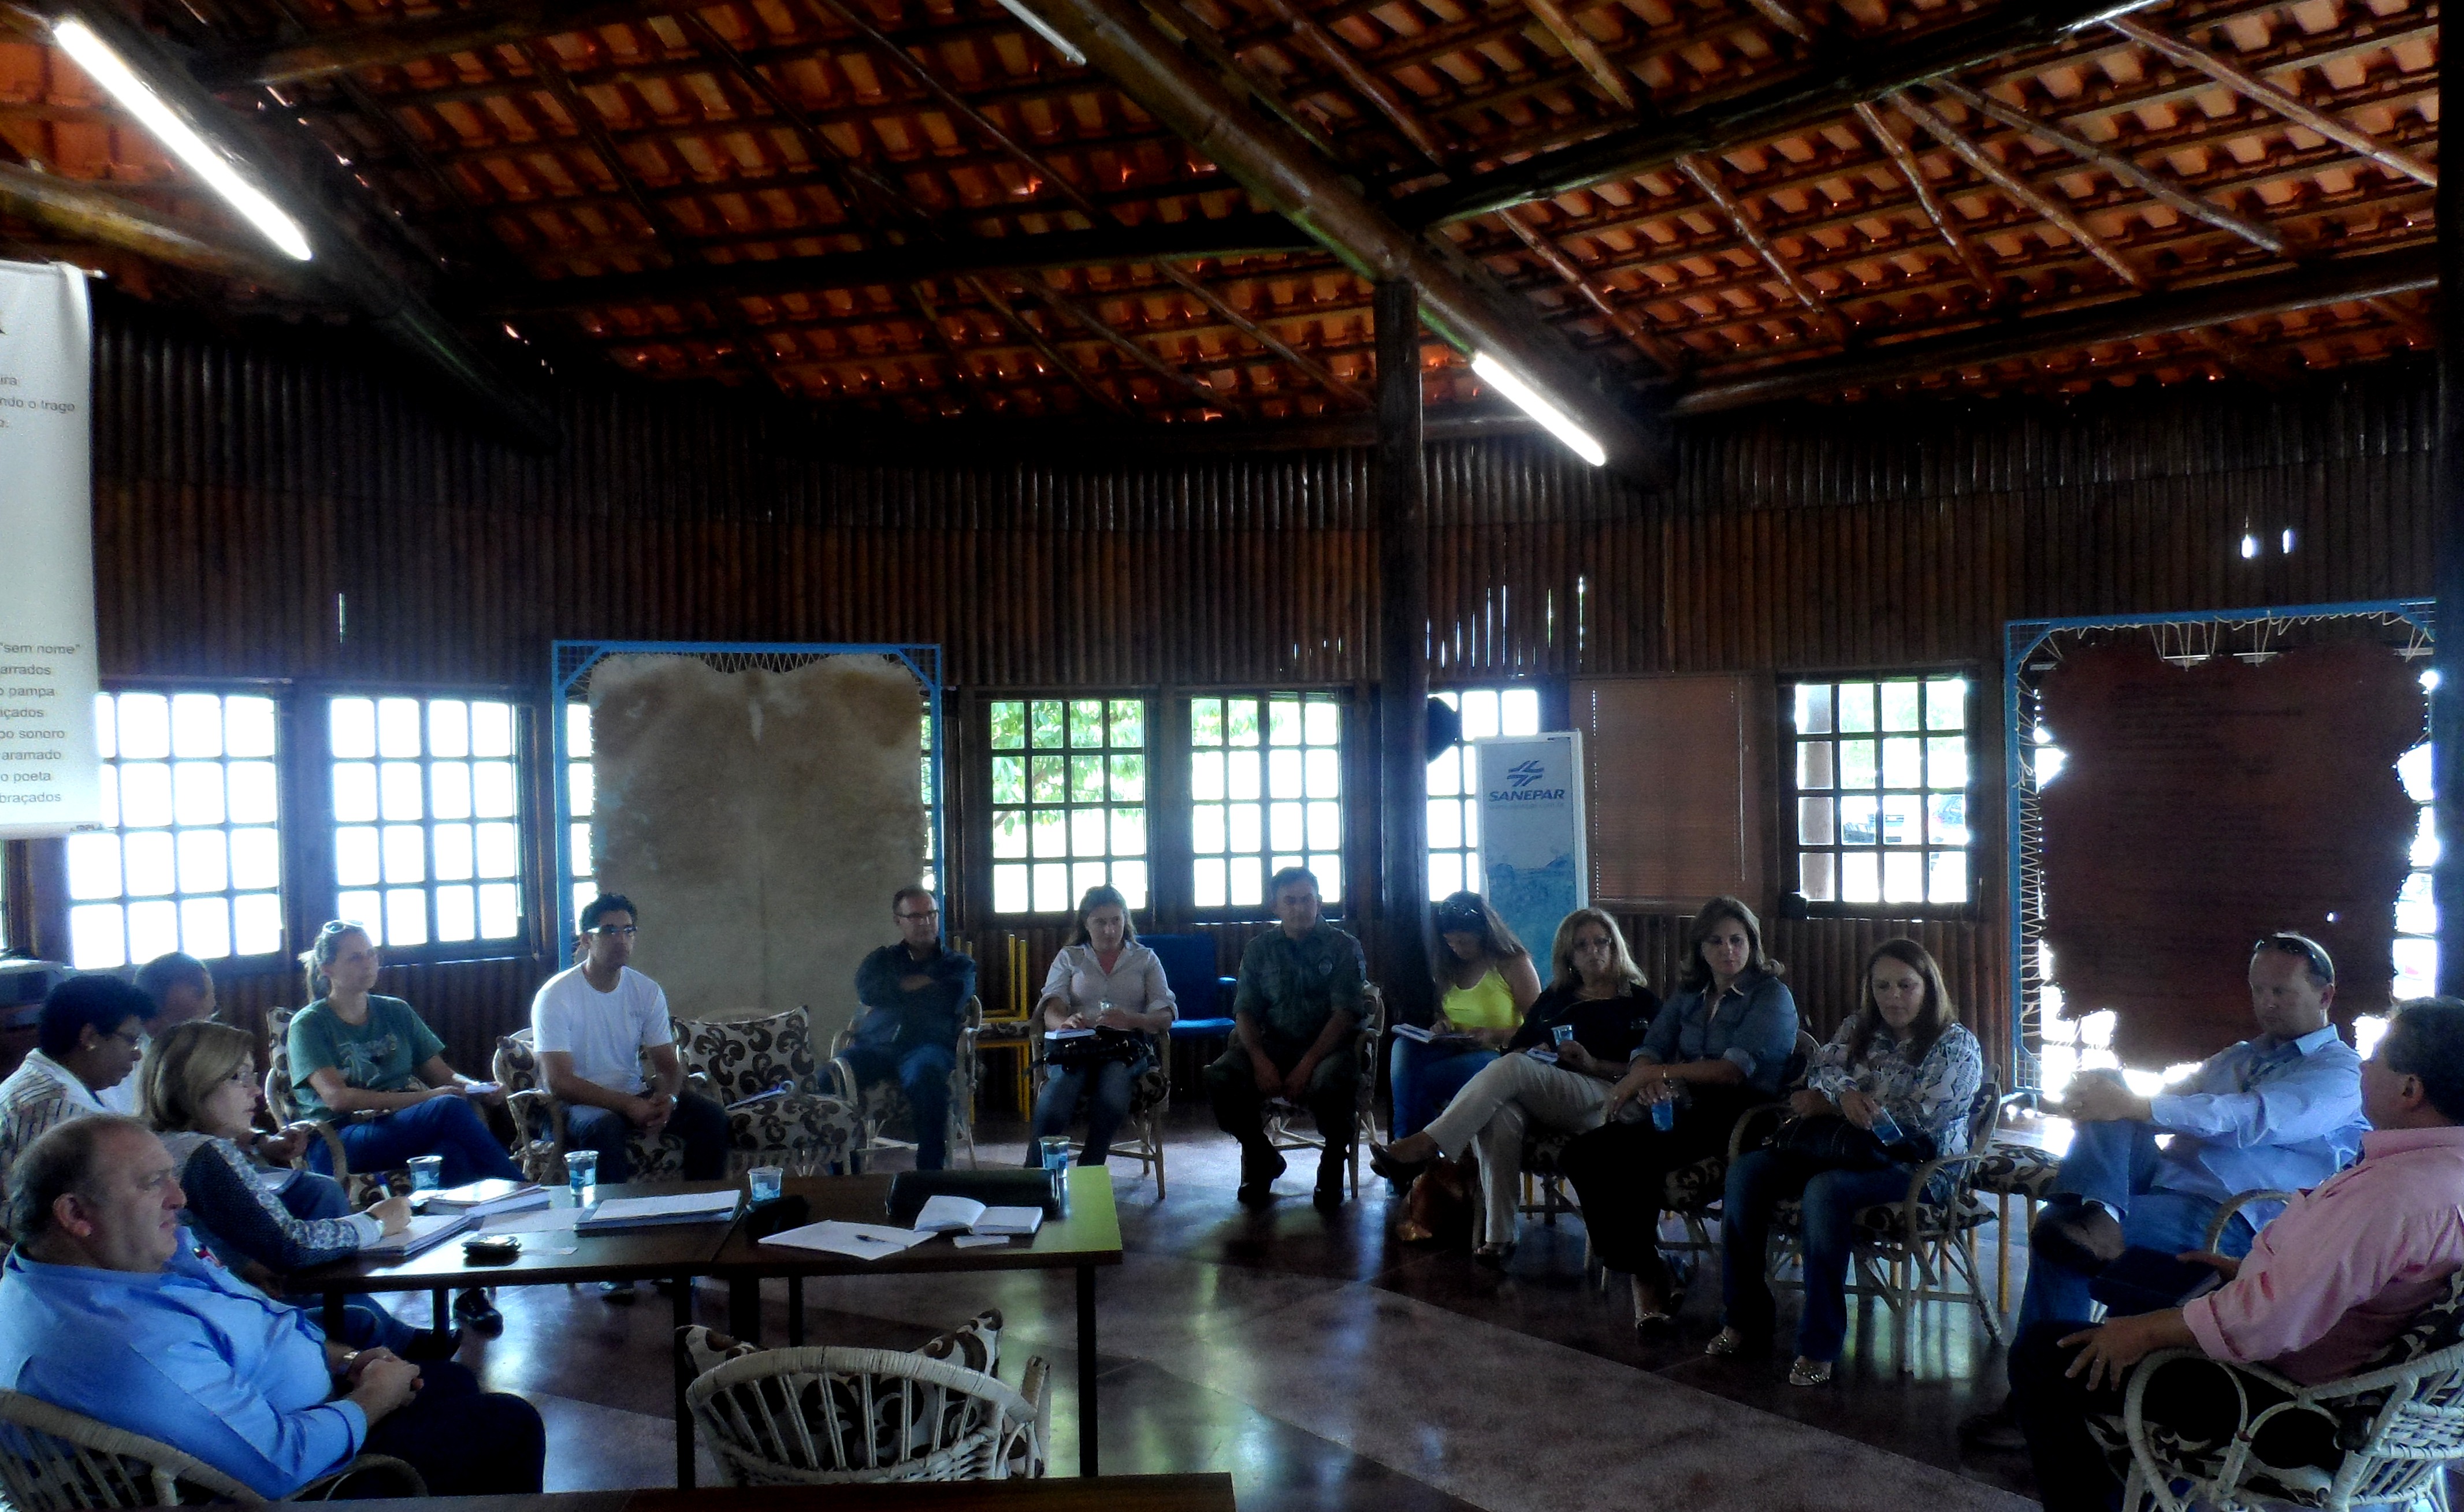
(1204, 996)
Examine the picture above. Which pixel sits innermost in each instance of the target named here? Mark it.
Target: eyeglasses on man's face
(614, 932)
(921, 913)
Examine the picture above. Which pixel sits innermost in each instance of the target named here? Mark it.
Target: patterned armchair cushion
(809, 1132)
(749, 1057)
(1879, 1225)
(2017, 1170)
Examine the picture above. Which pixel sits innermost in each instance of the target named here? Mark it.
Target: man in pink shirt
(2325, 1286)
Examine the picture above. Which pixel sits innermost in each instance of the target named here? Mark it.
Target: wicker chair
(1922, 1248)
(2400, 1423)
(1150, 1099)
(1283, 1117)
(832, 1416)
(724, 1061)
(881, 1105)
(282, 1100)
(55, 1460)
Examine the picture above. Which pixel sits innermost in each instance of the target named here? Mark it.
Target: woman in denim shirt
(1903, 1053)
(1720, 1046)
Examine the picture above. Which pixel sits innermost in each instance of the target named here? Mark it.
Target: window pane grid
(1879, 777)
(1068, 802)
(1454, 800)
(192, 858)
(426, 819)
(1266, 785)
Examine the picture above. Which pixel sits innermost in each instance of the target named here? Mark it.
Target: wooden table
(1088, 1236)
(675, 1253)
(1206, 1493)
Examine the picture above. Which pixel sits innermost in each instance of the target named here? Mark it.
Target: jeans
(697, 1122)
(1426, 1078)
(1757, 1182)
(441, 1125)
(1104, 1086)
(2115, 1163)
(464, 1441)
(922, 1072)
(2193, 1397)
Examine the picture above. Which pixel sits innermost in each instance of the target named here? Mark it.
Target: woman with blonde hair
(1102, 980)
(1574, 1043)
(198, 1086)
(1902, 1073)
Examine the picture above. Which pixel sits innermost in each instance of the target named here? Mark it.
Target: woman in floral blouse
(1902, 1056)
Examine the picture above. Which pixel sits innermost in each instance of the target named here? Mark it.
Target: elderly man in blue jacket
(107, 1309)
(914, 994)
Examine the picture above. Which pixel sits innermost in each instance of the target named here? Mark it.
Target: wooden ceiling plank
(1580, 46)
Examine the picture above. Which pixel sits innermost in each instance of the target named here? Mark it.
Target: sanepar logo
(1522, 773)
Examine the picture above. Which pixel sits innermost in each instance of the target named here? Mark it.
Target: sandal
(1803, 1372)
(1728, 1340)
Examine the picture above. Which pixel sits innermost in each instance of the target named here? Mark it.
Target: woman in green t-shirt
(370, 1064)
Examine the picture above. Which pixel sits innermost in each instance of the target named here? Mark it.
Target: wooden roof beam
(2343, 280)
(1245, 236)
(1999, 175)
(1940, 215)
(2119, 167)
(1629, 323)
(1707, 178)
(2284, 102)
(86, 213)
(1830, 88)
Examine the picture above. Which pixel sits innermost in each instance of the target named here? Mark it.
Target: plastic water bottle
(1886, 1129)
(1664, 1114)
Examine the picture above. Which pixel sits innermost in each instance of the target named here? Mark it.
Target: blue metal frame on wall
(2024, 639)
(569, 675)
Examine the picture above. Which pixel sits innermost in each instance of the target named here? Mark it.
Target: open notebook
(426, 1232)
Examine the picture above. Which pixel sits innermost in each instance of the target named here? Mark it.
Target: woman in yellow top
(1490, 984)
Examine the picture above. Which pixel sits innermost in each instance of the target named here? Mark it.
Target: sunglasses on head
(2296, 945)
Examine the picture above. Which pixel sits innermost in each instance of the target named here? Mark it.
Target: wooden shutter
(1673, 774)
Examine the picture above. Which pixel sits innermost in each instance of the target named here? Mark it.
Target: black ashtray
(492, 1249)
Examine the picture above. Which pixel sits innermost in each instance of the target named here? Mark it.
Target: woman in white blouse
(1104, 980)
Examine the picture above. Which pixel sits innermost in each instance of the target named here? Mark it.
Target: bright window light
(2249, 547)
(1044, 29)
(104, 67)
(1531, 402)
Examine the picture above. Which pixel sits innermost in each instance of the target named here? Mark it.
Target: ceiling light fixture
(1044, 29)
(134, 96)
(1531, 402)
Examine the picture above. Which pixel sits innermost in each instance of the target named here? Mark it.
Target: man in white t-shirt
(591, 1025)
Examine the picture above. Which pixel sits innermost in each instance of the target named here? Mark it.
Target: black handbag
(1829, 1142)
(1081, 1051)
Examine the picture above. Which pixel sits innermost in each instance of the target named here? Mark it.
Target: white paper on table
(534, 1220)
(699, 1204)
(943, 1213)
(973, 1241)
(866, 1241)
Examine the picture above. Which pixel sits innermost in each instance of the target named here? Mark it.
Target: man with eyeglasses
(86, 1043)
(2281, 1111)
(913, 993)
(591, 1025)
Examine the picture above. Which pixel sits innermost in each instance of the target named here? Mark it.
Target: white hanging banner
(50, 773)
(1531, 834)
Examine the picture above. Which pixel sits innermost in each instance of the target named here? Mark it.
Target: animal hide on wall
(761, 822)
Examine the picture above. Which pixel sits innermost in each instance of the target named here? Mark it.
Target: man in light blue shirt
(106, 1311)
(2281, 1111)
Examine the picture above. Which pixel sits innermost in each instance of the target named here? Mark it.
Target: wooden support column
(1403, 968)
(2447, 700)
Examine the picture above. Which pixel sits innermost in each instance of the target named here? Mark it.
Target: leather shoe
(2077, 1235)
(1255, 1193)
(1996, 1429)
(1328, 1194)
(1401, 1173)
(478, 1313)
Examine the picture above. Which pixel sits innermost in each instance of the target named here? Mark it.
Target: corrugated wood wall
(240, 489)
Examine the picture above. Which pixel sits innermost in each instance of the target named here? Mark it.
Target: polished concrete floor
(1325, 1365)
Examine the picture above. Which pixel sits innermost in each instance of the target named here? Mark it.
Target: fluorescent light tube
(1043, 29)
(1531, 402)
(136, 97)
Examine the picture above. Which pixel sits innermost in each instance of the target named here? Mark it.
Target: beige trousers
(1493, 1112)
